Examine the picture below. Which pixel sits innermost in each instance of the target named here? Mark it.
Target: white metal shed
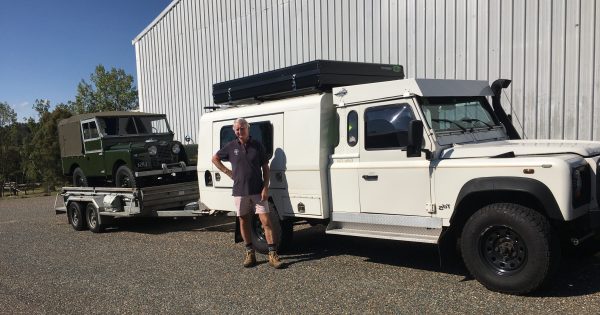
(550, 49)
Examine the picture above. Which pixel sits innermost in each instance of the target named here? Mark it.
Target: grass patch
(31, 193)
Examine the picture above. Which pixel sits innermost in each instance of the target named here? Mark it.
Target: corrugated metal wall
(550, 49)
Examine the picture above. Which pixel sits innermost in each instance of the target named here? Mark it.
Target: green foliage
(7, 115)
(108, 91)
(9, 147)
(41, 107)
(43, 152)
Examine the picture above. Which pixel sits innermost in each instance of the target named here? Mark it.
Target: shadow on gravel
(578, 275)
(312, 243)
(220, 223)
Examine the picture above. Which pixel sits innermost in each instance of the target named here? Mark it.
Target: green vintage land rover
(124, 149)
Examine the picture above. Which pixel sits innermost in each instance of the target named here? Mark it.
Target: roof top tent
(305, 78)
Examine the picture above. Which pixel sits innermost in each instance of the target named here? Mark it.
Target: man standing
(250, 174)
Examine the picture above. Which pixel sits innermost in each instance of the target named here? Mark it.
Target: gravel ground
(193, 266)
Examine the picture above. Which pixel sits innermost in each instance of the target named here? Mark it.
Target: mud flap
(447, 249)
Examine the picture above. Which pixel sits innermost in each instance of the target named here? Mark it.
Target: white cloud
(24, 105)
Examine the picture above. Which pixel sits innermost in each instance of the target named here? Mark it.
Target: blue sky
(48, 46)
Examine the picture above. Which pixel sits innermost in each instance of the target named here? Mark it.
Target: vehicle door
(268, 130)
(92, 146)
(389, 181)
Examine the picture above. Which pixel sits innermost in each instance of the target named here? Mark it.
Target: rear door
(266, 129)
(92, 147)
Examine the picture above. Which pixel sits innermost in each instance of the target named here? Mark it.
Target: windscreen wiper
(472, 120)
(452, 122)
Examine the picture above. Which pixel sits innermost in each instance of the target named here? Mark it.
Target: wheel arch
(118, 163)
(480, 192)
(72, 168)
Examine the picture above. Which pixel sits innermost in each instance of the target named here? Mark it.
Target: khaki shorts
(245, 204)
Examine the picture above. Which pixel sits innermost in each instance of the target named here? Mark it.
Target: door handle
(370, 177)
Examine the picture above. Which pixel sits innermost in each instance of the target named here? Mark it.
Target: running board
(391, 227)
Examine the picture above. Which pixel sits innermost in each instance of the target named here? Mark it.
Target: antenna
(512, 114)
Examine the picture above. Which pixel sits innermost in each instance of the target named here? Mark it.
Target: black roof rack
(317, 75)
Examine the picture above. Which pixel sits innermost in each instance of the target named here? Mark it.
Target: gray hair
(241, 121)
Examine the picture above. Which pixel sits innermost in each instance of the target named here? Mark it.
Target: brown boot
(250, 259)
(274, 260)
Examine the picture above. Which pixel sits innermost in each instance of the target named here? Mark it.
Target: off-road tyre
(124, 177)
(75, 216)
(79, 178)
(510, 248)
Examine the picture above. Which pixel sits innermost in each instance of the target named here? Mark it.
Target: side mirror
(415, 138)
(187, 138)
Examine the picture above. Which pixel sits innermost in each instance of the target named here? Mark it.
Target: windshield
(457, 113)
(124, 126)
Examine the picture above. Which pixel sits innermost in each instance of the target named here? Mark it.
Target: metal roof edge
(155, 21)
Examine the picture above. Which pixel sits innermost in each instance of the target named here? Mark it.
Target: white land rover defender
(357, 147)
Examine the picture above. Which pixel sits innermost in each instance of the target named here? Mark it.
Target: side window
(259, 131)
(386, 127)
(352, 128)
(263, 133)
(226, 135)
(86, 131)
(110, 126)
(130, 128)
(93, 130)
(141, 125)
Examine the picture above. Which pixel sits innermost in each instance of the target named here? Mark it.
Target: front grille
(163, 155)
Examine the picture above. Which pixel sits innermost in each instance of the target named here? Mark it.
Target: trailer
(96, 208)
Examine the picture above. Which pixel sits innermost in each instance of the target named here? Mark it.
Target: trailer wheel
(91, 214)
(124, 177)
(282, 231)
(79, 178)
(75, 216)
(510, 248)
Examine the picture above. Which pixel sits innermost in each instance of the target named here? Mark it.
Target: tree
(7, 115)
(43, 152)
(108, 91)
(41, 106)
(9, 149)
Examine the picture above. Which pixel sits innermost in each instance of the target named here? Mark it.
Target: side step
(391, 227)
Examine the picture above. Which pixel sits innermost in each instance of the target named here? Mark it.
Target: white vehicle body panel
(301, 149)
(316, 173)
(402, 88)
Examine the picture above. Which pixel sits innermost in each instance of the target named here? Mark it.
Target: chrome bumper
(167, 169)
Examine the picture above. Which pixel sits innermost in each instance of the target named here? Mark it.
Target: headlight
(152, 150)
(176, 148)
(577, 180)
(580, 185)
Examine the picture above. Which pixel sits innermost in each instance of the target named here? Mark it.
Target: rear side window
(386, 127)
(259, 131)
(90, 131)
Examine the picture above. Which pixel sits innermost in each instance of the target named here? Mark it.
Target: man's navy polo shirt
(246, 163)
